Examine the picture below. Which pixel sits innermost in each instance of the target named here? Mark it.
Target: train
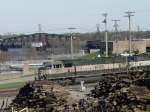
(83, 67)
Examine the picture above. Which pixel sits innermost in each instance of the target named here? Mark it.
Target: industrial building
(39, 44)
(99, 45)
(147, 44)
(138, 46)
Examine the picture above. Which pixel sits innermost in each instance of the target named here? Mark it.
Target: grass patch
(94, 55)
(12, 85)
(147, 53)
(90, 56)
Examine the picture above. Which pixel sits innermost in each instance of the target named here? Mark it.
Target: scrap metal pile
(41, 96)
(47, 96)
(123, 93)
(113, 93)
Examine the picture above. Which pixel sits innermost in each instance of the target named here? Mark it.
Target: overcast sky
(22, 16)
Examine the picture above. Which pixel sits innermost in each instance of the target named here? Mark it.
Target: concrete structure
(94, 50)
(147, 44)
(137, 46)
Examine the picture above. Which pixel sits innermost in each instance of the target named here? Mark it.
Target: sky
(23, 16)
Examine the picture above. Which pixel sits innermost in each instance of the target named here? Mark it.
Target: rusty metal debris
(130, 93)
(41, 96)
(46, 96)
(113, 93)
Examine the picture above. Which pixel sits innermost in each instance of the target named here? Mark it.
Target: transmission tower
(106, 32)
(116, 24)
(116, 33)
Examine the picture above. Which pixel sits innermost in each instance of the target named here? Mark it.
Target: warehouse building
(138, 46)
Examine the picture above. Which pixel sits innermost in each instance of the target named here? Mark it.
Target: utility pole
(116, 34)
(106, 33)
(98, 32)
(98, 28)
(129, 15)
(71, 40)
(138, 28)
(138, 32)
(39, 28)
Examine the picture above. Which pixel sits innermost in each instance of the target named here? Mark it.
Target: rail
(23, 110)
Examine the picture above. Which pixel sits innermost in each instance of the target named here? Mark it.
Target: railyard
(110, 84)
(110, 93)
